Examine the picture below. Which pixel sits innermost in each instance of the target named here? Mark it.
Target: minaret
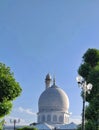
(48, 81)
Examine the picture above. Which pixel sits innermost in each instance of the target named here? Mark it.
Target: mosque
(53, 106)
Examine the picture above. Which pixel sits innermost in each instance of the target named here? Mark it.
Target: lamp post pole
(85, 88)
(14, 121)
(83, 111)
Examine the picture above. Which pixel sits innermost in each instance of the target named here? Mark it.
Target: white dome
(53, 99)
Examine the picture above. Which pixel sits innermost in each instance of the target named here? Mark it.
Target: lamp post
(14, 121)
(85, 88)
(4, 121)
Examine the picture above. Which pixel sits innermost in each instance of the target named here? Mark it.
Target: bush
(26, 128)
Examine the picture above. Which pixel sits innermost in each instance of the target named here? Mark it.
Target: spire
(54, 80)
(48, 80)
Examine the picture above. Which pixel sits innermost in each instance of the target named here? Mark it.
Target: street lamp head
(89, 86)
(18, 120)
(14, 120)
(79, 79)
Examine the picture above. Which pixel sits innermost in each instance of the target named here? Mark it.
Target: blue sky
(39, 37)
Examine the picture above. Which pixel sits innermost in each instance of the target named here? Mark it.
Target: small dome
(53, 99)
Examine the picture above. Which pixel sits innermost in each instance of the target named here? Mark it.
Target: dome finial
(54, 80)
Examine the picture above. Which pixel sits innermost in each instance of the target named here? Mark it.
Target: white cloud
(28, 116)
(27, 111)
(76, 119)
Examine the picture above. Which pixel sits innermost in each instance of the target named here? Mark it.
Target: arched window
(61, 119)
(54, 118)
(49, 118)
(43, 118)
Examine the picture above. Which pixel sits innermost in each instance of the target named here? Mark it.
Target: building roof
(45, 126)
(69, 126)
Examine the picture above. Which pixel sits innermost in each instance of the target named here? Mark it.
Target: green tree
(1, 124)
(27, 128)
(9, 89)
(89, 69)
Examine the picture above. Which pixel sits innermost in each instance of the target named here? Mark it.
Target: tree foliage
(89, 69)
(9, 89)
(1, 124)
(27, 128)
